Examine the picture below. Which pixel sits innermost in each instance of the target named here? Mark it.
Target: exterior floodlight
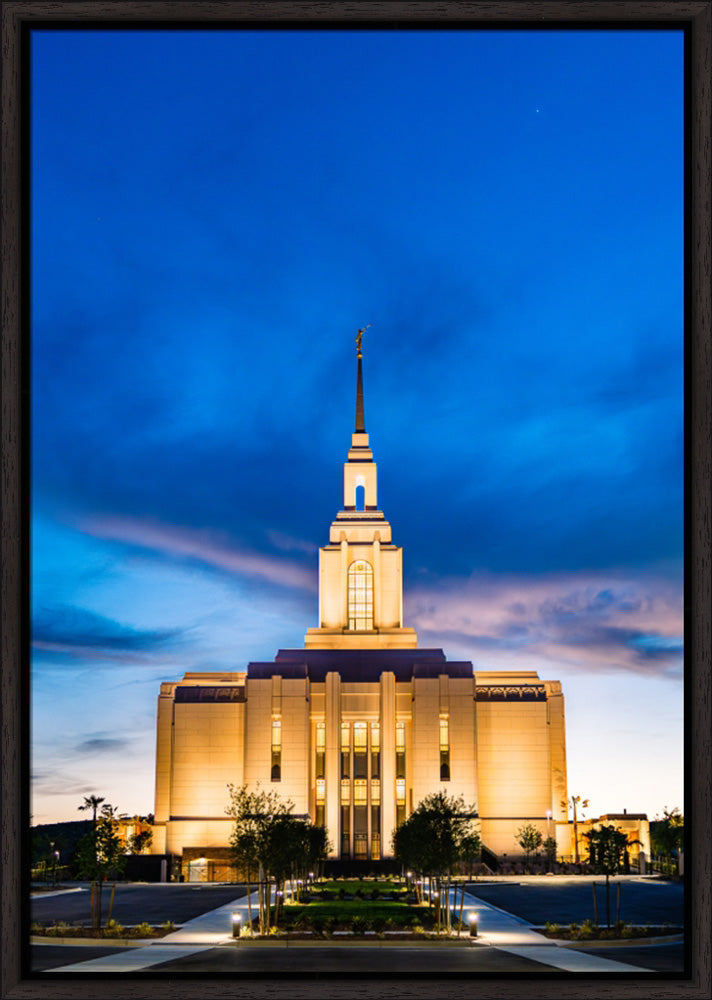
(236, 924)
(472, 919)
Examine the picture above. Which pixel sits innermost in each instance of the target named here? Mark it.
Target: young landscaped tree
(607, 847)
(139, 842)
(439, 834)
(667, 833)
(549, 846)
(529, 839)
(270, 845)
(100, 855)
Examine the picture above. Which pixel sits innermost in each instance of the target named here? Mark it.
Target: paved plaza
(507, 942)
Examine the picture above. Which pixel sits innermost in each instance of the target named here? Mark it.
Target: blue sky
(214, 214)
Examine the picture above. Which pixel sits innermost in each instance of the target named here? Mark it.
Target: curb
(74, 942)
(361, 943)
(622, 943)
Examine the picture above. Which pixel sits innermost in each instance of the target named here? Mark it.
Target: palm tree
(91, 802)
(573, 802)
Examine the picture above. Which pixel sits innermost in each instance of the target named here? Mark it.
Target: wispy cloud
(73, 632)
(204, 547)
(98, 744)
(579, 622)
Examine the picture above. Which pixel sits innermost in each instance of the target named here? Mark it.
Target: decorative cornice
(510, 692)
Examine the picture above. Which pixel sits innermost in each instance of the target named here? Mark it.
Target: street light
(236, 924)
(472, 920)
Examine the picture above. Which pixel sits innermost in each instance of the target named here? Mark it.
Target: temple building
(359, 724)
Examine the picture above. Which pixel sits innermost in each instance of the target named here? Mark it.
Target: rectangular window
(345, 750)
(345, 792)
(400, 791)
(320, 801)
(375, 828)
(444, 734)
(360, 596)
(400, 750)
(345, 832)
(276, 769)
(400, 801)
(400, 737)
(375, 791)
(444, 749)
(360, 737)
(375, 750)
(320, 747)
(360, 790)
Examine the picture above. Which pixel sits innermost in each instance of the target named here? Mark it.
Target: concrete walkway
(508, 933)
(497, 929)
(206, 931)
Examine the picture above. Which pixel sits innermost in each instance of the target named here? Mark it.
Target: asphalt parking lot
(137, 901)
(564, 900)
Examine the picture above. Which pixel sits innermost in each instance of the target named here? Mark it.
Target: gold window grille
(360, 792)
(360, 596)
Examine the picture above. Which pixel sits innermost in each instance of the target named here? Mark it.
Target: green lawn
(343, 911)
(367, 886)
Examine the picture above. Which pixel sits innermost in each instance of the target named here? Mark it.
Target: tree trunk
(261, 898)
(111, 902)
(249, 901)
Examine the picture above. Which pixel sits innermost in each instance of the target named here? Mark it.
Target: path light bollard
(236, 924)
(472, 920)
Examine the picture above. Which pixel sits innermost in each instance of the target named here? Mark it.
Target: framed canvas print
(356, 506)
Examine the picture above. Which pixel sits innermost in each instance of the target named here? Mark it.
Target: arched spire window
(360, 594)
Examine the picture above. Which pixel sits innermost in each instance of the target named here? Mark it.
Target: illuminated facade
(360, 724)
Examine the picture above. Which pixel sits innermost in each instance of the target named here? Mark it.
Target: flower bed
(113, 929)
(588, 931)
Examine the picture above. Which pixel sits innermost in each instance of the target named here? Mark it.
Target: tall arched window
(360, 594)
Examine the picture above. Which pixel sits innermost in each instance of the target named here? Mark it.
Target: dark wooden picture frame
(18, 19)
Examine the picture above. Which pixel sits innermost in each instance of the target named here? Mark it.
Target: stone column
(344, 581)
(377, 582)
(333, 749)
(388, 760)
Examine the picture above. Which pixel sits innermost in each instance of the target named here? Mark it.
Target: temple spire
(360, 420)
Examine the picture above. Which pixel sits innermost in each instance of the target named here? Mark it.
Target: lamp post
(56, 860)
(236, 924)
(472, 920)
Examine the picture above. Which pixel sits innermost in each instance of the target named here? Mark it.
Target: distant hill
(63, 837)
